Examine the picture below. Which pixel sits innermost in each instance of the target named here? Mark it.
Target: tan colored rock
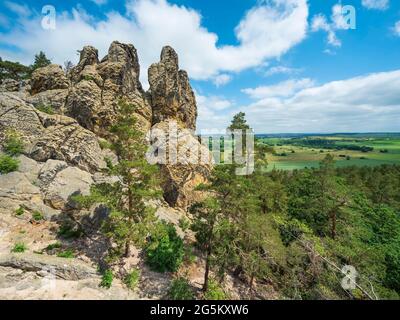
(191, 167)
(66, 183)
(50, 136)
(98, 87)
(171, 94)
(54, 98)
(48, 78)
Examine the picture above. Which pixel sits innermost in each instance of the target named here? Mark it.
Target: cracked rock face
(171, 94)
(48, 78)
(50, 136)
(98, 87)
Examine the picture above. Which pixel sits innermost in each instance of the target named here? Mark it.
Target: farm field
(295, 153)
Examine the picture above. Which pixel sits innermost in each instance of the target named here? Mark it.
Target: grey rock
(67, 269)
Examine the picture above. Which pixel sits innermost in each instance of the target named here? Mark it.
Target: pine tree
(130, 220)
(40, 61)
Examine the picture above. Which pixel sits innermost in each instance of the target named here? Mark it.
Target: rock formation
(97, 87)
(64, 146)
(171, 94)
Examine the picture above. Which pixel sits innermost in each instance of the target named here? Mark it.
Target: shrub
(165, 250)
(66, 254)
(107, 279)
(53, 246)
(132, 278)
(45, 108)
(37, 216)
(19, 248)
(8, 164)
(13, 145)
(214, 292)
(20, 211)
(180, 290)
(69, 231)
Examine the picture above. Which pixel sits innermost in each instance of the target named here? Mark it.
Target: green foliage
(37, 216)
(180, 289)
(130, 220)
(107, 279)
(69, 230)
(19, 248)
(13, 70)
(45, 108)
(52, 246)
(13, 145)
(132, 278)
(214, 292)
(184, 224)
(40, 61)
(8, 164)
(66, 254)
(20, 211)
(165, 250)
(239, 122)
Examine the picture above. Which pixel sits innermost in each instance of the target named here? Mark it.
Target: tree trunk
(127, 249)
(207, 271)
(333, 228)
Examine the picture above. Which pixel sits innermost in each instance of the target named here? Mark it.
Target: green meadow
(296, 153)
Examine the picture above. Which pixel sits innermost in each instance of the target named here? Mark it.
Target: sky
(293, 66)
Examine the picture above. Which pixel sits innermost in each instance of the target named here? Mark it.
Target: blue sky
(290, 65)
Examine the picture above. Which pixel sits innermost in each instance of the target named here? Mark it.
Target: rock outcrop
(97, 88)
(174, 116)
(48, 78)
(50, 136)
(171, 94)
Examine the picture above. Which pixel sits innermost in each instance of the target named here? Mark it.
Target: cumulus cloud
(282, 89)
(266, 31)
(376, 4)
(222, 79)
(337, 22)
(366, 103)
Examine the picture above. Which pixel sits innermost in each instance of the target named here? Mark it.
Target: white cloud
(222, 79)
(366, 103)
(319, 22)
(396, 28)
(213, 112)
(376, 4)
(266, 31)
(282, 89)
(19, 9)
(281, 70)
(338, 21)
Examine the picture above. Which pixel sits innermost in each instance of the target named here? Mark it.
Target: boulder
(50, 136)
(48, 78)
(10, 85)
(66, 183)
(15, 190)
(54, 98)
(171, 94)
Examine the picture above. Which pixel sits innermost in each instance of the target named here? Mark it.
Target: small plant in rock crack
(132, 278)
(20, 211)
(19, 248)
(107, 279)
(66, 254)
